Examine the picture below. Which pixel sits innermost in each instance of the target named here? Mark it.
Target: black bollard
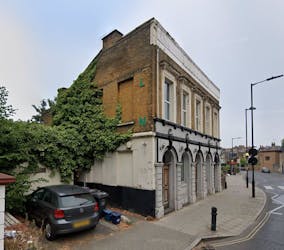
(214, 218)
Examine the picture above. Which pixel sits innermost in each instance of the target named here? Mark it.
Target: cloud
(18, 68)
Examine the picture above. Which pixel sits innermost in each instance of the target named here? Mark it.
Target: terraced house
(172, 108)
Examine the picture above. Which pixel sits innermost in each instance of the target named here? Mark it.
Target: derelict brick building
(173, 109)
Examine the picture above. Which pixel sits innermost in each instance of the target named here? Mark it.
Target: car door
(34, 205)
(48, 204)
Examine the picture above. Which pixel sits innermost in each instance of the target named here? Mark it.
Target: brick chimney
(110, 39)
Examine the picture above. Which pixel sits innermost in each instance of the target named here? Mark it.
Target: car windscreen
(76, 200)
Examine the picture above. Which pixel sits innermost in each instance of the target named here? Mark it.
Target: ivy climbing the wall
(80, 133)
(87, 132)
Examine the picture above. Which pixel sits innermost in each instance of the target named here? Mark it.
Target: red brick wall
(124, 71)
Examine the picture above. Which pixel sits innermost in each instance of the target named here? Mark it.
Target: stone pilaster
(159, 208)
(203, 181)
(211, 189)
(179, 201)
(218, 178)
(192, 197)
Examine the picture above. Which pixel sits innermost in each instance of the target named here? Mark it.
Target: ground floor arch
(209, 174)
(168, 181)
(187, 174)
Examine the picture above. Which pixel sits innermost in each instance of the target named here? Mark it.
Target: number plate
(82, 223)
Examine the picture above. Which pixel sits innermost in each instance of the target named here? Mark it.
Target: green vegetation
(80, 133)
(5, 109)
(43, 111)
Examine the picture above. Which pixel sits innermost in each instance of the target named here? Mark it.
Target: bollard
(214, 218)
(225, 185)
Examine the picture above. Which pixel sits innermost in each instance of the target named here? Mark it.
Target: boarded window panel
(125, 92)
(125, 169)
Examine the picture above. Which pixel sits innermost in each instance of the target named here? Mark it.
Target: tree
(44, 112)
(5, 110)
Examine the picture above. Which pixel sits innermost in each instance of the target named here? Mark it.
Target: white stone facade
(160, 37)
(142, 166)
(131, 165)
(200, 158)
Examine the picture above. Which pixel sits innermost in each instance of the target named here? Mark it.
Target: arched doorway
(199, 175)
(209, 174)
(186, 174)
(168, 181)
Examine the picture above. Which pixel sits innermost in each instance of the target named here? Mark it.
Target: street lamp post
(246, 154)
(252, 135)
(234, 138)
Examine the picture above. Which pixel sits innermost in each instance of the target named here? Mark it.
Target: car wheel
(49, 231)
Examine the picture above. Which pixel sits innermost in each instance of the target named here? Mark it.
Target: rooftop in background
(273, 147)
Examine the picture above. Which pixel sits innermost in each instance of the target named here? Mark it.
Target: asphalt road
(271, 235)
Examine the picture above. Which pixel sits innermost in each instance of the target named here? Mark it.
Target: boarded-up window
(125, 97)
(125, 169)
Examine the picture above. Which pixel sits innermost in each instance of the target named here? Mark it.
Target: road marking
(274, 196)
(247, 237)
(281, 187)
(268, 187)
(275, 209)
(276, 213)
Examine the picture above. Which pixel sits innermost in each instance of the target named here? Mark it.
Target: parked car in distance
(265, 170)
(62, 209)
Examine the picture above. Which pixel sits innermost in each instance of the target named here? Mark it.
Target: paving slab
(236, 209)
(183, 229)
(143, 236)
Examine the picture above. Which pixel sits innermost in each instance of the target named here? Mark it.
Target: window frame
(198, 121)
(185, 107)
(169, 79)
(215, 123)
(208, 119)
(167, 99)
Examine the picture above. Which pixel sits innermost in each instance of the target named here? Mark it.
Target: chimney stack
(110, 39)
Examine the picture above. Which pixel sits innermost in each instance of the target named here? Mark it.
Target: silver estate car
(62, 209)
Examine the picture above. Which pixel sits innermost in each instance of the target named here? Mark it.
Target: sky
(45, 45)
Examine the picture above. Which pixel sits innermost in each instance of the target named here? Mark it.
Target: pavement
(237, 213)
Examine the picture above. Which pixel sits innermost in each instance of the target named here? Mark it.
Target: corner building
(172, 108)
